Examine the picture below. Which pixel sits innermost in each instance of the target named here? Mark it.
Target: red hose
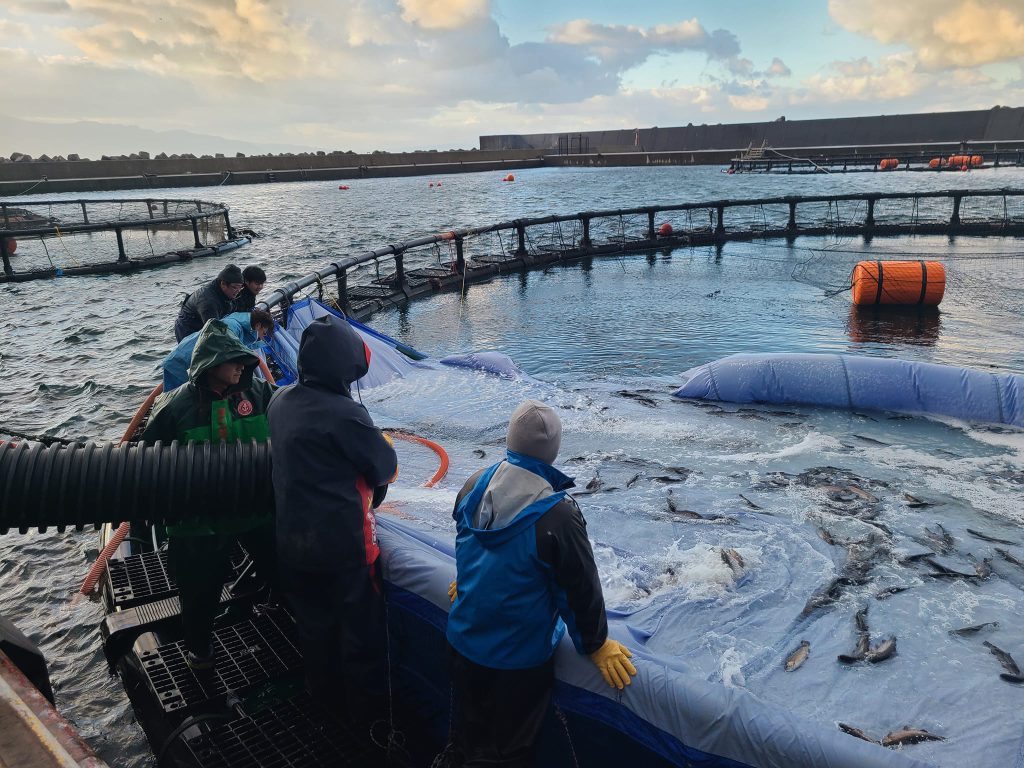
(442, 470)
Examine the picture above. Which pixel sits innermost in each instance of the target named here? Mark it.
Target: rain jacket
(177, 362)
(328, 455)
(199, 307)
(526, 568)
(193, 412)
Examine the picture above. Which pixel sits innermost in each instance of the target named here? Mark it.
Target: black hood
(332, 355)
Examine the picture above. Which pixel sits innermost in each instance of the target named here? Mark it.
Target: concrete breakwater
(58, 176)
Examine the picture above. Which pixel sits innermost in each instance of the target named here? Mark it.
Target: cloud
(14, 32)
(894, 77)
(778, 68)
(623, 46)
(444, 14)
(941, 33)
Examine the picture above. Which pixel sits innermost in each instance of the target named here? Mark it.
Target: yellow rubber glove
(613, 662)
(453, 591)
(392, 444)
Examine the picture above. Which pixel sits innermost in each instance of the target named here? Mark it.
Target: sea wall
(984, 125)
(36, 176)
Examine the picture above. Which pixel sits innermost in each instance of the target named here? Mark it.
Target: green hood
(217, 344)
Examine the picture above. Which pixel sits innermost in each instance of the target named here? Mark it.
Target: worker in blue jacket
(526, 575)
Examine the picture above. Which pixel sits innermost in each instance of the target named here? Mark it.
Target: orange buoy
(510, 177)
(889, 164)
(898, 283)
(665, 230)
(12, 246)
(977, 160)
(935, 162)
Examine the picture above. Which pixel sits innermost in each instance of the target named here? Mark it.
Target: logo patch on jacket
(244, 408)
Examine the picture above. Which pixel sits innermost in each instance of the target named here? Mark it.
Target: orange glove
(613, 662)
(453, 591)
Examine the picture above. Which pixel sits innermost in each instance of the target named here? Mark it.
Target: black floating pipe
(88, 484)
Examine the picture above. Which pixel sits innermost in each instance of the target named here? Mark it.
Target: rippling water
(80, 354)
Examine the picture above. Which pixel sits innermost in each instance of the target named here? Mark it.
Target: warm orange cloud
(444, 14)
(941, 33)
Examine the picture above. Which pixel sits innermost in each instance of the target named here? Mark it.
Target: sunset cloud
(444, 14)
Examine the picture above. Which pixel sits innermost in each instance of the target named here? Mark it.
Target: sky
(420, 74)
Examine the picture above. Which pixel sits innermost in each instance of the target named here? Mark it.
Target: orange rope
(442, 470)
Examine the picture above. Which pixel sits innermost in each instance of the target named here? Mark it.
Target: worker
(250, 328)
(331, 468)
(221, 401)
(253, 279)
(525, 576)
(211, 302)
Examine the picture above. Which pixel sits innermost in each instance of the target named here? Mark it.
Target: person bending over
(525, 575)
(211, 302)
(331, 468)
(250, 328)
(221, 401)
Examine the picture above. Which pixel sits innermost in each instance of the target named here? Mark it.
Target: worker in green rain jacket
(221, 401)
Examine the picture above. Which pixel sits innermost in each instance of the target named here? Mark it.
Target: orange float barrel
(977, 160)
(899, 283)
(889, 164)
(935, 162)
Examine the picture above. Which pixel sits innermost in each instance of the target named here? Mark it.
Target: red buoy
(343, 186)
(12, 246)
(510, 177)
(665, 230)
(439, 183)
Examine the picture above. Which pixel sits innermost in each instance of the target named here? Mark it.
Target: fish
(889, 592)
(1004, 658)
(965, 631)
(872, 440)
(1018, 679)
(642, 399)
(826, 537)
(593, 486)
(478, 453)
(882, 651)
(684, 471)
(942, 539)
(861, 619)
(667, 479)
(733, 559)
(905, 560)
(908, 735)
(829, 593)
(857, 732)
(798, 656)
(914, 502)
(983, 567)
(986, 537)
(749, 503)
(1008, 557)
(868, 497)
(939, 571)
(632, 481)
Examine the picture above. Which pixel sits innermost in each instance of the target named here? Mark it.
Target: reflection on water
(883, 325)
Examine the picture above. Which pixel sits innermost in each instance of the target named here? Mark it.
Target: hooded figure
(176, 363)
(526, 575)
(221, 401)
(329, 459)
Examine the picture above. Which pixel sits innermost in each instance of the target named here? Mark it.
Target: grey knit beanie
(535, 430)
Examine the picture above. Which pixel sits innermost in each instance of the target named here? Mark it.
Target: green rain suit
(200, 550)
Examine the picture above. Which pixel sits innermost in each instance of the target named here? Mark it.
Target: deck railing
(451, 259)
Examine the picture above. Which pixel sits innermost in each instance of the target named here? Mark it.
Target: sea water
(605, 341)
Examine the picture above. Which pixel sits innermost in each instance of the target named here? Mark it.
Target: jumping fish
(749, 503)
(889, 592)
(632, 480)
(986, 537)
(856, 732)
(882, 651)
(914, 502)
(479, 453)
(592, 487)
(942, 539)
(1008, 557)
(908, 735)
(965, 631)
(1004, 658)
(798, 656)
(733, 559)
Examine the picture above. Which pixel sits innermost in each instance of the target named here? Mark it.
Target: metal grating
(293, 734)
(145, 577)
(246, 655)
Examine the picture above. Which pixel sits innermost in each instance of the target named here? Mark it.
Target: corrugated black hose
(87, 484)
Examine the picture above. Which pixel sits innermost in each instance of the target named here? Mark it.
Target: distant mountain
(91, 139)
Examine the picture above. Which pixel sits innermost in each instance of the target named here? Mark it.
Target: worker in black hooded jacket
(330, 462)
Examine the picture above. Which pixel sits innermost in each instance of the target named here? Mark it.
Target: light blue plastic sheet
(853, 381)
